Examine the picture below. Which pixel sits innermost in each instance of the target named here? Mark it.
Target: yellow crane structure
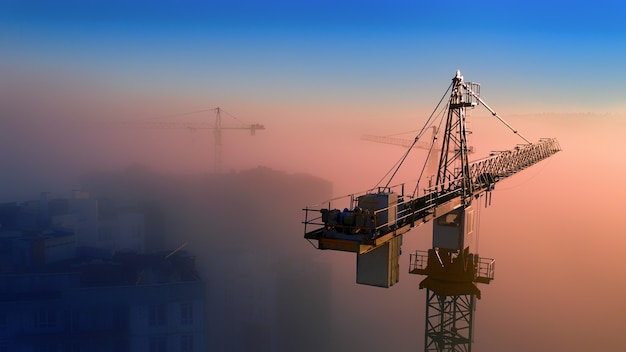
(371, 224)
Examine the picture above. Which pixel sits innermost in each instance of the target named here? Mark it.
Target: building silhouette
(74, 278)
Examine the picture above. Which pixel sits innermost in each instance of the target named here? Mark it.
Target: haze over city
(318, 75)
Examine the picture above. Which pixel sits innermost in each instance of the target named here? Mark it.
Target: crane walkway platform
(373, 218)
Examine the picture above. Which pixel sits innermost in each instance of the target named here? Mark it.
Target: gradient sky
(530, 56)
(318, 75)
(323, 68)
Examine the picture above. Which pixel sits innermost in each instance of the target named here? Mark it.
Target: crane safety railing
(484, 267)
(484, 173)
(449, 187)
(418, 260)
(407, 210)
(357, 221)
(361, 221)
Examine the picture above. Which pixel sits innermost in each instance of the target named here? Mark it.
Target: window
(186, 314)
(157, 315)
(72, 320)
(45, 318)
(186, 343)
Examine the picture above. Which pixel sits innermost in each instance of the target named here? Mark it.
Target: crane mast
(372, 224)
(451, 266)
(453, 171)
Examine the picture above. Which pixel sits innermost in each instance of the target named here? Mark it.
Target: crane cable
(181, 114)
(467, 87)
(432, 146)
(233, 116)
(197, 112)
(399, 163)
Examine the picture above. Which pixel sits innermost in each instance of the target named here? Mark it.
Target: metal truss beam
(449, 322)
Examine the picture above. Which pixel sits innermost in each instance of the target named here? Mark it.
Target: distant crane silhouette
(217, 128)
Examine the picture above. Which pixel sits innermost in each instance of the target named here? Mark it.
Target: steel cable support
(470, 91)
(399, 163)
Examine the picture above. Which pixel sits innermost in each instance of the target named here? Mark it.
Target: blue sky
(533, 55)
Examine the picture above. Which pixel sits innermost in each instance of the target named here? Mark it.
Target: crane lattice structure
(217, 128)
(372, 223)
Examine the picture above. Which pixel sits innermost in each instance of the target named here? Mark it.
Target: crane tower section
(453, 169)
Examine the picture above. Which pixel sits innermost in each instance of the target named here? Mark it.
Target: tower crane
(217, 128)
(372, 223)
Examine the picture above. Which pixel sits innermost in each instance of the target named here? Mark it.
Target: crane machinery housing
(371, 224)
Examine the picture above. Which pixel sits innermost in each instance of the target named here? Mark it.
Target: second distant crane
(217, 128)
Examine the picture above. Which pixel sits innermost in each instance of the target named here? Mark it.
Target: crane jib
(360, 228)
